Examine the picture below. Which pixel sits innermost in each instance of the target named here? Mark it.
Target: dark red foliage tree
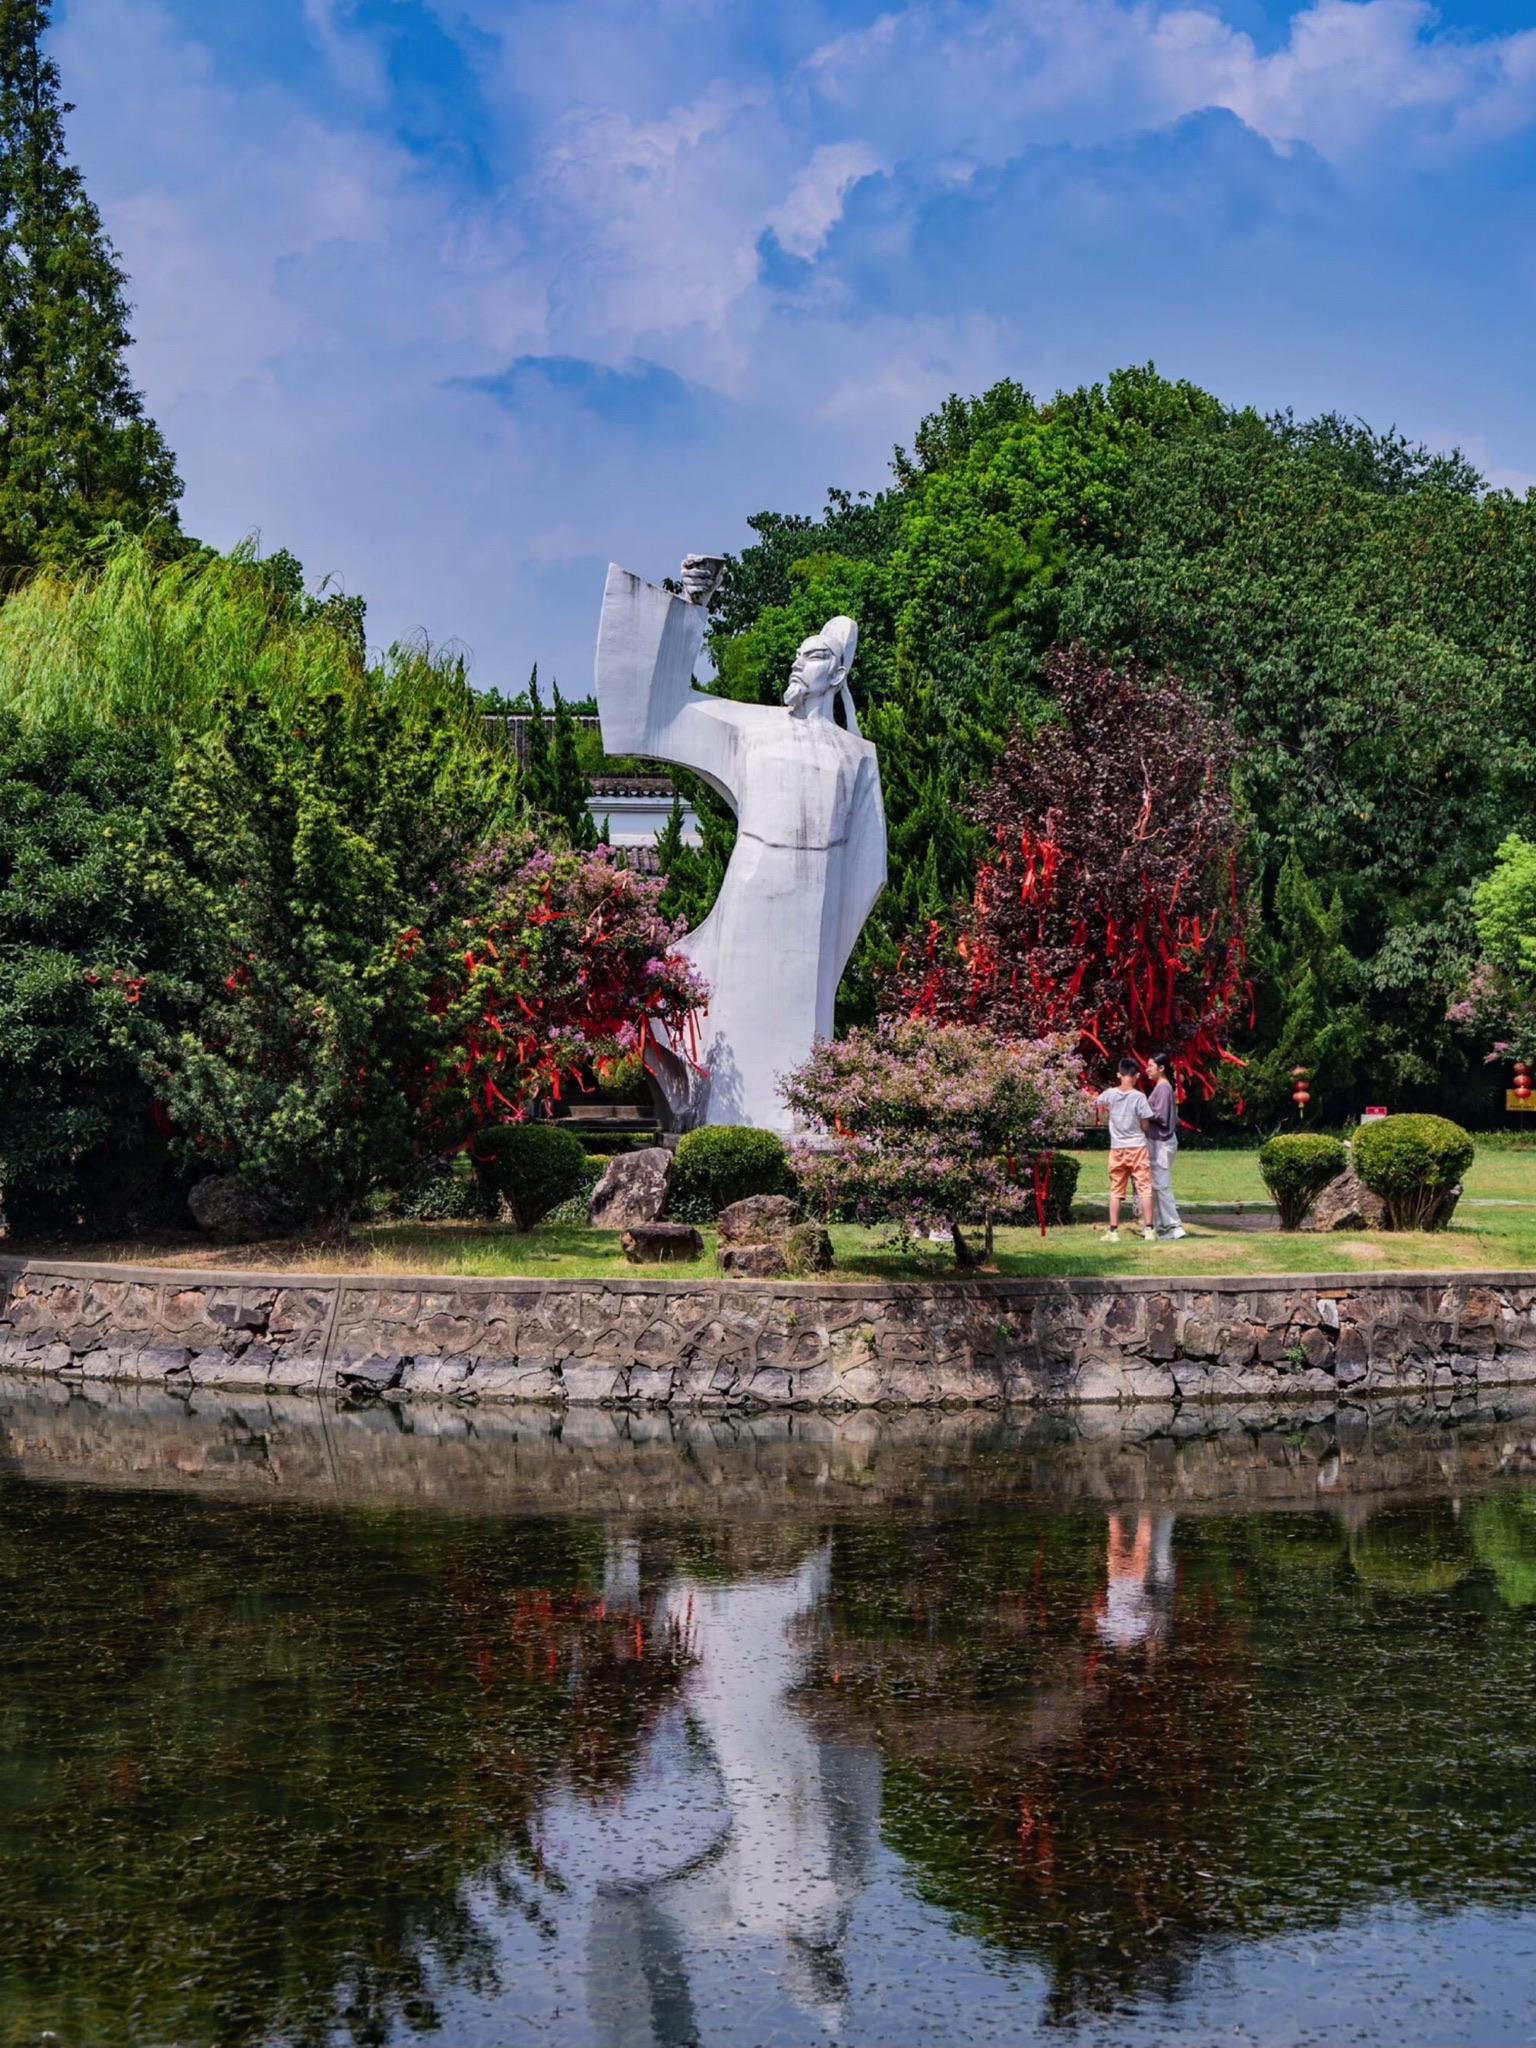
(1110, 904)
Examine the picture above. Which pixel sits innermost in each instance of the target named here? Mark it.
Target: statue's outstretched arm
(647, 645)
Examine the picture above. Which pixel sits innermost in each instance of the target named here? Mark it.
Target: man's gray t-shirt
(1127, 1107)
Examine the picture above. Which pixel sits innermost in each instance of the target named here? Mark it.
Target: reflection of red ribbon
(1040, 1174)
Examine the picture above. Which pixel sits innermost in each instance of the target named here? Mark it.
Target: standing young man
(1163, 1144)
(1129, 1113)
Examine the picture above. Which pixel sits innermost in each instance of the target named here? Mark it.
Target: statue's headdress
(842, 636)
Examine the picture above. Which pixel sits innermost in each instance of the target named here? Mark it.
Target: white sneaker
(1149, 1236)
(1110, 1237)
(1178, 1230)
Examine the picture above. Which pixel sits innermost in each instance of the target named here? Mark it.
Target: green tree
(78, 1147)
(1505, 909)
(232, 856)
(1308, 1001)
(1361, 607)
(568, 803)
(536, 784)
(78, 457)
(694, 873)
(670, 844)
(321, 872)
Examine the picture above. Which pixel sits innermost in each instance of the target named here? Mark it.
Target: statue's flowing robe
(808, 864)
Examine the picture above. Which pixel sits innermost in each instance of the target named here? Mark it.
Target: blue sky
(461, 299)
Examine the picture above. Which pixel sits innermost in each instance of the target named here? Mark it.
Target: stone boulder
(1347, 1204)
(762, 1238)
(808, 1249)
(235, 1211)
(760, 1219)
(633, 1190)
(753, 1261)
(660, 1244)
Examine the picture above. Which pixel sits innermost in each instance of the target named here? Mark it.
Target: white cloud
(946, 75)
(815, 202)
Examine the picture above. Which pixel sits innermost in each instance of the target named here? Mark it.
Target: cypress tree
(78, 456)
(536, 751)
(669, 840)
(569, 789)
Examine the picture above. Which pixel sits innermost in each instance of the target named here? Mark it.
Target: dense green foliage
(1498, 1003)
(555, 772)
(1297, 1166)
(532, 1168)
(78, 458)
(1505, 911)
(77, 1142)
(1416, 1164)
(219, 825)
(1363, 610)
(281, 817)
(724, 1163)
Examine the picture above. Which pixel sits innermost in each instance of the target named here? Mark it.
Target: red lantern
(1301, 1094)
(1522, 1081)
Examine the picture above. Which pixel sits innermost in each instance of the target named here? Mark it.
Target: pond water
(351, 1726)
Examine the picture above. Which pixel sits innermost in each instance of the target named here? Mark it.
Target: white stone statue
(809, 859)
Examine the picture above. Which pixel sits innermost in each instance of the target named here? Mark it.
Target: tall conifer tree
(78, 456)
(569, 789)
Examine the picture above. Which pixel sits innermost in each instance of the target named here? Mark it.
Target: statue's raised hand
(701, 576)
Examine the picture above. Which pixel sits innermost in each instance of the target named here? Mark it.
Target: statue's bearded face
(816, 666)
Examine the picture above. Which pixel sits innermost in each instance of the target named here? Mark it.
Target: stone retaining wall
(772, 1344)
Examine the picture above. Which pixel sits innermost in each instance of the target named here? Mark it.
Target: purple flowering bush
(926, 1124)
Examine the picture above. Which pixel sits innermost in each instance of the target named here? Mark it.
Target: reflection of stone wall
(593, 1461)
(651, 1342)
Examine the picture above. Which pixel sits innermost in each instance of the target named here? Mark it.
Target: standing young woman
(1163, 1143)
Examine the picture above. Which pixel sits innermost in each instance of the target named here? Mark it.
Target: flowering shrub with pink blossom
(930, 1124)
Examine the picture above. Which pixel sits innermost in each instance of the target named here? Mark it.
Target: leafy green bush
(721, 1164)
(574, 1208)
(533, 1168)
(447, 1191)
(1296, 1169)
(1416, 1165)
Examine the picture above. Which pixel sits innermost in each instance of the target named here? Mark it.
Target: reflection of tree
(1326, 1721)
(1412, 1551)
(251, 1760)
(1503, 1533)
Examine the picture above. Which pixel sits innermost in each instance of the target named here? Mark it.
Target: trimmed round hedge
(1060, 1193)
(1296, 1168)
(724, 1163)
(533, 1168)
(1416, 1165)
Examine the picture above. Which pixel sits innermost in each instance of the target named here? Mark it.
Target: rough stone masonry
(772, 1344)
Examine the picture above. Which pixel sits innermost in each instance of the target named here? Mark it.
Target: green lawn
(1500, 1173)
(1502, 1236)
(1495, 1227)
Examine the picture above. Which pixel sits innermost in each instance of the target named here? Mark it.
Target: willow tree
(78, 456)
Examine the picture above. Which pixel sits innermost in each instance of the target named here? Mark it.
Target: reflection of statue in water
(809, 859)
(723, 1878)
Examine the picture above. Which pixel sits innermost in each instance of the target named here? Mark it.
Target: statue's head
(821, 667)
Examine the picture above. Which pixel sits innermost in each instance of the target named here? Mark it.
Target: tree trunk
(965, 1258)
